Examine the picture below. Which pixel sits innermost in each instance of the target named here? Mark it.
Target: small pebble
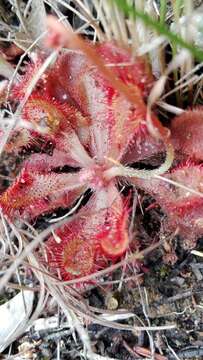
(111, 303)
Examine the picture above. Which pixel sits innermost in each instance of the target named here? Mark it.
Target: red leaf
(115, 121)
(184, 208)
(56, 120)
(98, 233)
(187, 133)
(35, 193)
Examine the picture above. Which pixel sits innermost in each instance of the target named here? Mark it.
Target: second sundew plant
(98, 124)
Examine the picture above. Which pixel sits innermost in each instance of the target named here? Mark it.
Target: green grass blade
(163, 8)
(159, 27)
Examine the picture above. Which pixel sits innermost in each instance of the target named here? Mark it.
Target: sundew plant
(101, 103)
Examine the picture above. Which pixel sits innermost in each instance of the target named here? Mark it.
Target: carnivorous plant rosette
(97, 127)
